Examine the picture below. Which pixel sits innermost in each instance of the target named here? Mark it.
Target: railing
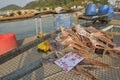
(15, 52)
(27, 68)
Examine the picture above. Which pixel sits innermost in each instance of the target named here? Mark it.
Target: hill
(64, 3)
(11, 7)
(50, 3)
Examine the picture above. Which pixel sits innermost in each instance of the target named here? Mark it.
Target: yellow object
(44, 46)
(40, 34)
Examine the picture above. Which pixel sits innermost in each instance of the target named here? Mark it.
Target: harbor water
(27, 28)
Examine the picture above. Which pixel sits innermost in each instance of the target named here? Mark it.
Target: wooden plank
(15, 52)
(12, 19)
(97, 17)
(23, 71)
(24, 17)
(114, 22)
(107, 28)
(113, 33)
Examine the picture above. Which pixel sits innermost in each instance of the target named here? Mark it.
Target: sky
(22, 3)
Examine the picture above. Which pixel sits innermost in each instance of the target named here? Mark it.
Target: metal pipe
(40, 21)
(17, 51)
(36, 25)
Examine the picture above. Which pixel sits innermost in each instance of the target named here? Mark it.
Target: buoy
(103, 9)
(111, 12)
(7, 42)
(90, 10)
(106, 9)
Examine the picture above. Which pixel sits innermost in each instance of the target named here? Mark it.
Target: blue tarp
(62, 20)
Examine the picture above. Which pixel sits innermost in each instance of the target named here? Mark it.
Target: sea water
(27, 28)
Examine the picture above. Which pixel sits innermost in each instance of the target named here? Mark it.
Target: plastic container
(7, 42)
(103, 9)
(111, 12)
(90, 10)
(44, 46)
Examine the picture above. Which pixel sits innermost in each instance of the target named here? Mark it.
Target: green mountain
(11, 7)
(32, 5)
(37, 4)
(51, 3)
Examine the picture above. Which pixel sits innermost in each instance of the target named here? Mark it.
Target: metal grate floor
(99, 73)
(53, 72)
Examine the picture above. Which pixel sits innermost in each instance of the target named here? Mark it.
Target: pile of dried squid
(85, 41)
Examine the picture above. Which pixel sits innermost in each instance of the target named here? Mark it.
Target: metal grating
(53, 72)
(25, 58)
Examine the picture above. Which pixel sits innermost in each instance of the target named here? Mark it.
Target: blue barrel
(110, 12)
(90, 10)
(103, 9)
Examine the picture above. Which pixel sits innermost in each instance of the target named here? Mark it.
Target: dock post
(36, 25)
(40, 21)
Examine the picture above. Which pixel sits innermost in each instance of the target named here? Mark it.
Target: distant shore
(35, 14)
(28, 14)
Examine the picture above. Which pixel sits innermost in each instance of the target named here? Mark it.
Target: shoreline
(36, 15)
